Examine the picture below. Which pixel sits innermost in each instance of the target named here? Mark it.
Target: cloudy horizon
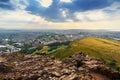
(60, 14)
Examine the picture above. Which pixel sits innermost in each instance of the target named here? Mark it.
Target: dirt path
(98, 76)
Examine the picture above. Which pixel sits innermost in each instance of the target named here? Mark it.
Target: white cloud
(45, 3)
(19, 19)
(94, 19)
(19, 4)
(108, 13)
(64, 12)
(66, 0)
(94, 15)
(113, 11)
(114, 6)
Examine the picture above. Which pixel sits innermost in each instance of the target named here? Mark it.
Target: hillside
(16, 66)
(105, 49)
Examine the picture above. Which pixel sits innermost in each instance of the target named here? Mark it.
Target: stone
(43, 67)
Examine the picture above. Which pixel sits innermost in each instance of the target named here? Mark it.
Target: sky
(60, 14)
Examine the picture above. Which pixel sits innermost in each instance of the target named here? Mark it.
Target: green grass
(105, 49)
(43, 50)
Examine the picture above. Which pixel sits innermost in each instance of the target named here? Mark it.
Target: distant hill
(106, 49)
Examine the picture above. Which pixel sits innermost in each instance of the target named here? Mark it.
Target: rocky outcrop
(45, 67)
(95, 66)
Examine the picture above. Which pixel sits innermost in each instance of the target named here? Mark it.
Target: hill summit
(44, 67)
(107, 50)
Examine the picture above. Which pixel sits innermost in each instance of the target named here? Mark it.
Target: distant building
(20, 44)
(3, 46)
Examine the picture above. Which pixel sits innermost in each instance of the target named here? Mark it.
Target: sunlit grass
(105, 49)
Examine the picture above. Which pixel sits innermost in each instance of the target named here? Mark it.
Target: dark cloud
(5, 4)
(51, 13)
(4, 0)
(83, 5)
(54, 12)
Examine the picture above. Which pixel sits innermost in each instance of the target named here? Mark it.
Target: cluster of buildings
(7, 48)
(16, 44)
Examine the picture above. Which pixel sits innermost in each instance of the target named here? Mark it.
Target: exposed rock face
(42, 67)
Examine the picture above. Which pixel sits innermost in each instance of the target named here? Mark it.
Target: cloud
(5, 4)
(13, 4)
(19, 19)
(45, 3)
(83, 5)
(95, 15)
(61, 10)
(107, 13)
(67, 1)
(51, 13)
(59, 13)
(19, 4)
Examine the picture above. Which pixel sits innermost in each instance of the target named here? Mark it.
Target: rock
(81, 69)
(43, 67)
(56, 74)
(4, 68)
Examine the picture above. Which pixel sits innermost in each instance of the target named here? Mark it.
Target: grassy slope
(97, 47)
